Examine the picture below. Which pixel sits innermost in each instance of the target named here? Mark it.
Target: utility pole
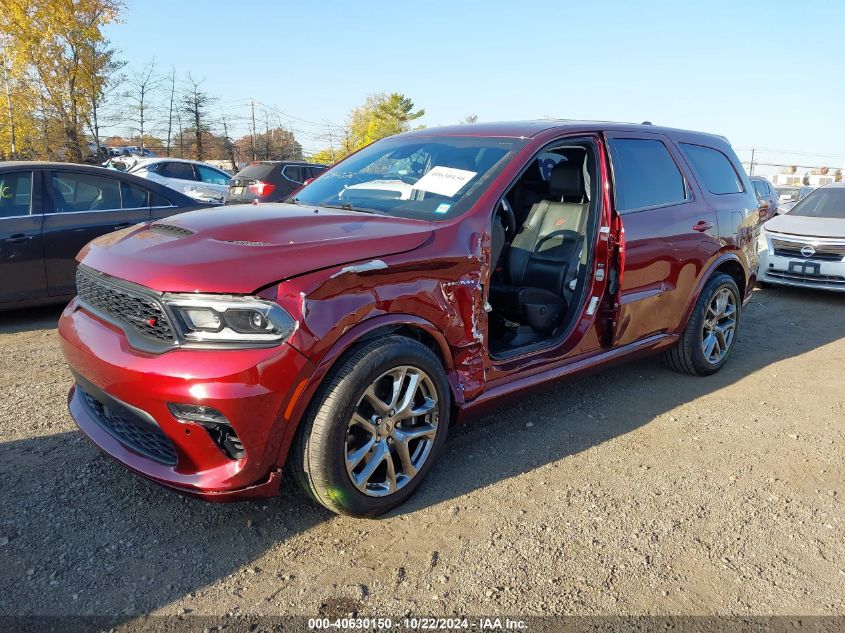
(170, 116)
(13, 144)
(230, 146)
(267, 136)
(751, 166)
(252, 103)
(331, 141)
(181, 142)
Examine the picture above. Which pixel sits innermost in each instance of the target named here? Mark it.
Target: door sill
(510, 385)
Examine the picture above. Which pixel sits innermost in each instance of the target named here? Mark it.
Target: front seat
(544, 255)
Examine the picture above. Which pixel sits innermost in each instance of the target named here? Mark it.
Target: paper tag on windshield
(446, 181)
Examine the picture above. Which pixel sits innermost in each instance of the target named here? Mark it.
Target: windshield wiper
(348, 207)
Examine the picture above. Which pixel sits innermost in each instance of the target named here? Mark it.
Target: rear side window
(209, 175)
(180, 171)
(293, 172)
(15, 193)
(316, 171)
(73, 192)
(714, 168)
(645, 174)
(134, 197)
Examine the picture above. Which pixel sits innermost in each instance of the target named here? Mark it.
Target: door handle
(18, 238)
(702, 225)
(117, 227)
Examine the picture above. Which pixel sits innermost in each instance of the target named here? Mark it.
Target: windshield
(432, 178)
(822, 203)
(787, 193)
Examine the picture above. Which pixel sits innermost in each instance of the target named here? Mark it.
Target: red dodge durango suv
(427, 275)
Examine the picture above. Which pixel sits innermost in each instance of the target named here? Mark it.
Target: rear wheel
(710, 334)
(375, 427)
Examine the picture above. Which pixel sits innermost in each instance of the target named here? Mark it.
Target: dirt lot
(632, 491)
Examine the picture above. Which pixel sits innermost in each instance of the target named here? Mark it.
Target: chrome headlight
(229, 319)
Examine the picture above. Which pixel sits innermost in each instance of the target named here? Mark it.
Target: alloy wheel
(392, 431)
(719, 326)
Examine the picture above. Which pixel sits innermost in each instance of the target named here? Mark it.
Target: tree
(143, 84)
(276, 144)
(394, 114)
(49, 43)
(380, 116)
(195, 104)
(470, 118)
(101, 69)
(324, 156)
(13, 148)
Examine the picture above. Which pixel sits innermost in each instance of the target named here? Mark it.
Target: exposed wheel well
(413, 332)
(735, 270)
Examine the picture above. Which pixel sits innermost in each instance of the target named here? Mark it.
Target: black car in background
(270, 181)
(49, 211)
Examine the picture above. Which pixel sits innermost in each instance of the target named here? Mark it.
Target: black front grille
(142, 436)
(171, 229)
(143, 314)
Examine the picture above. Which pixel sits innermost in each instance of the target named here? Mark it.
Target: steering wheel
(408, 179)
(505, 211)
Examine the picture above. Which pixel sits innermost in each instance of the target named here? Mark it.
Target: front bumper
(255, 389)
(797, 270)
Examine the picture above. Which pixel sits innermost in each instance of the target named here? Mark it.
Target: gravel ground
(632, 491)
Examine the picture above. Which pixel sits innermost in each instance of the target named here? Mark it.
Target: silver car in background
(806, 246)
(200, 181)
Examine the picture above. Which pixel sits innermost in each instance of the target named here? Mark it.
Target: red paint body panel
(434, 278)
(253, 246)
(250, 387)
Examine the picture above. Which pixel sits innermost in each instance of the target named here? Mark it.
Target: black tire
(319, 452)
(687, 356)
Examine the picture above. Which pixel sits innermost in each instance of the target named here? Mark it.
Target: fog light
(215, 423)
(196, 413)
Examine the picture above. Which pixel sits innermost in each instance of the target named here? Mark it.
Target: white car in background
(806, 245)
(200, 181)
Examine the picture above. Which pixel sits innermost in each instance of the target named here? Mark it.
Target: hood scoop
(171, 229)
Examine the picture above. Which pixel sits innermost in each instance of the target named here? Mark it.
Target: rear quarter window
(645, 174)
(714, 169)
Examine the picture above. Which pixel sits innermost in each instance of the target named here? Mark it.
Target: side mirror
(230, 182)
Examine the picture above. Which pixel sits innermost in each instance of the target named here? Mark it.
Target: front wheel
(375, 427)
(710, 334)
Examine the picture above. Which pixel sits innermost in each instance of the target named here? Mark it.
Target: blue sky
(764, 74)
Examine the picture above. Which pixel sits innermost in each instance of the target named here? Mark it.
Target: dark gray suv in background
(270, 180)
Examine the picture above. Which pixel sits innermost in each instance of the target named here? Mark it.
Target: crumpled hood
(807, 227)
(240, 248)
